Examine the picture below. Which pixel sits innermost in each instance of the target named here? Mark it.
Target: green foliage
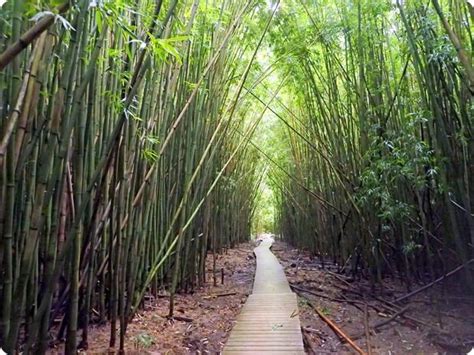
(162, 48)
(410, 248)
(143, 341)
(326, 311)
(137, 140)
(399, 158)
(150, 155)
(375, 132)
(264, 217)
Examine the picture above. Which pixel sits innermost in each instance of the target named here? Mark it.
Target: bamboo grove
(132, 146)
(379, 175)
(123, 158)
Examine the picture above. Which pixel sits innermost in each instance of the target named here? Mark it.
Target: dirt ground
(437, 321)
(207, 315)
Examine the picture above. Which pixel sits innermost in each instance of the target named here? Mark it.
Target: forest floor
(203, 319)
(436, 321)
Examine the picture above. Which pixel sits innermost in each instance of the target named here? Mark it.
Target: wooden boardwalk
(269, 321)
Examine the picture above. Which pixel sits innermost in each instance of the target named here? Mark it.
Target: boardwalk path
(268, 322)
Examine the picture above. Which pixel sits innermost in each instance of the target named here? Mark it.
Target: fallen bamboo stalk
(390, 306)
(395, 308)
(438, 280)
(182, 319)
(303, 290)
(367, 330)
(382, 323)
(220, 295)
(311, 330)
(337, 330)
(300, 291)
(307, 340)
(339, 277)
(391, 318)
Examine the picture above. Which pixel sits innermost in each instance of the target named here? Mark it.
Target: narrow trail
(269, 320)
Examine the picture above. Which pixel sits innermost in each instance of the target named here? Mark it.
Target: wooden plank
(268, 322)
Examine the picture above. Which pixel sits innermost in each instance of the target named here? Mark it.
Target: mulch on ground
(205, 317)
(439, 320)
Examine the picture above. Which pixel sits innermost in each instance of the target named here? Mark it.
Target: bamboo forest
(159, 158)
